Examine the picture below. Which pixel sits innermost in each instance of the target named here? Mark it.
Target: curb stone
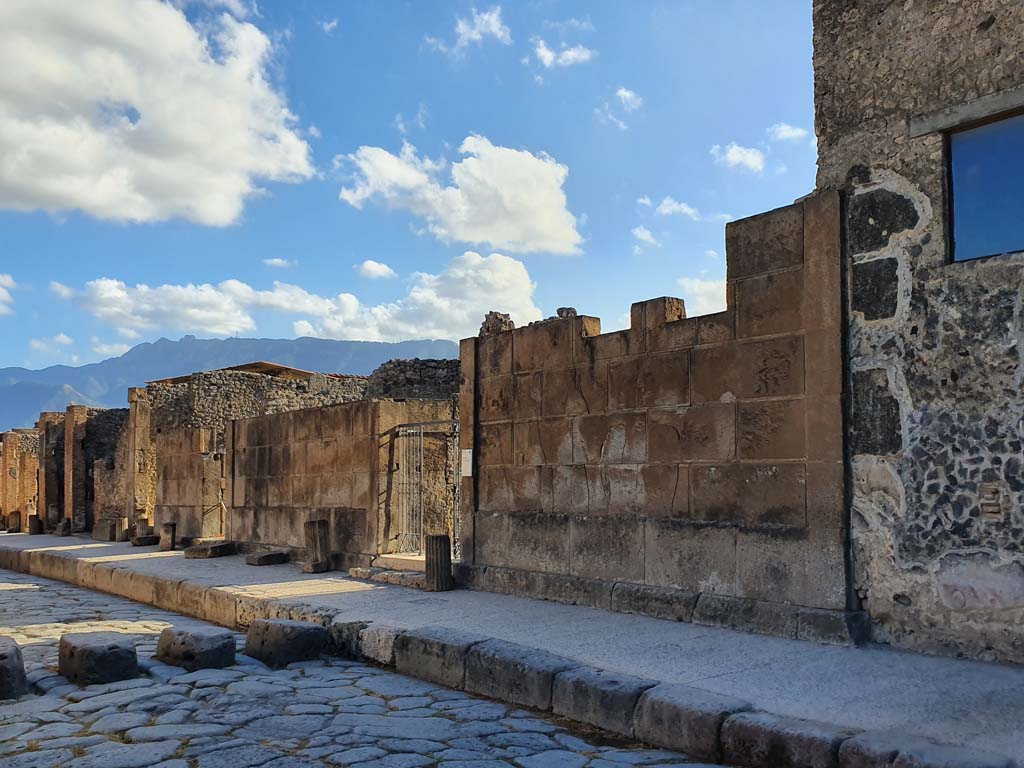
(377, 642)
(763, 739)
(514, 673)
(685, 718)
(437, 654)
(598, 697)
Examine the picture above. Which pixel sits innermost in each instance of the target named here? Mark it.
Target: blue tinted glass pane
(988, 204)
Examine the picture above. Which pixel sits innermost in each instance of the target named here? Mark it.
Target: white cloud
(314, 132)
(735, 156)
(644, 201)
(6, 299)
(630, 100)
(506, 198)
(670, 207)
(450, 304)
(565, 57)
(643, 234)
(781, 169)
(786, 132)
(400, 124)
(375, 270)
(280, 263)
(61, 290)
(570, 25)
(51, 344)
(477, 29)
(126, 111)
(111, 349)
(711, 254)
(605, 116)
(328, 26)
(702, 297)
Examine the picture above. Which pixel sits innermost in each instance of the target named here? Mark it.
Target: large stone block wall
(189, 471)
(19, 477)
(934, 347)
(700, 456)
(320, 463)
(51, 467)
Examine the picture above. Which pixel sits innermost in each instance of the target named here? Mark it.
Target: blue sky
(224, 168)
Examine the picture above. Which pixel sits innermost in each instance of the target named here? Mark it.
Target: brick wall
(701, 457)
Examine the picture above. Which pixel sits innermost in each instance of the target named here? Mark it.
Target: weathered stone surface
(761, 739)
(211, 549)
(194, 649)
(274, 557)
(898, 750)
(168, 539)
(658, 602)
(97, 657)
(513, 673)
(279, 642)
(768, 241)
(146, 540)
(874, 217)
(875, 288)
(875, 427)
(35, 525)
(13, 683)
(684, 718)
(595, 696)
(437, 654)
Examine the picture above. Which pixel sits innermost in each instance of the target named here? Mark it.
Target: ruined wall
(687, 467)
(189, 470)
(51, 468)
(93, 438)
(19, 476)
(415, 379)
(319, 463)
(934, 346)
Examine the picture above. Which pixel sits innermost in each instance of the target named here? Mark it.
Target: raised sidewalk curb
(702, 724)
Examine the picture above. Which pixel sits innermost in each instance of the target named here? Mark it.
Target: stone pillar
(9, 477)
(140, 492)
(438, 564)
(167, 537)
(49, 494)
(75, 472)
(318, 546)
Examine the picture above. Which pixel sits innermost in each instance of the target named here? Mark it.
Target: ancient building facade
(934, 344)
(19, 473)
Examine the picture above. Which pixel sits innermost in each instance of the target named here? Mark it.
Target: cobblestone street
(329, 712)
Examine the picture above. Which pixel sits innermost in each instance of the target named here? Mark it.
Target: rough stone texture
(13, 683)
(760, 739)
(938, 490)
(273, 557)
(279, 642)
(168, 537)
(435, 653)
(514, 673)
(206, 648)
(893, 750)
(701, 455)
(211, 549)
(684, 718)
(598, 697)
(87, 658)
(19, 468)
(415, 378)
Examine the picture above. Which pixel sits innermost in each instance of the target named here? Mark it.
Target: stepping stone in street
(86, 658)
(278, 642)
(198, 648)
(13, 683)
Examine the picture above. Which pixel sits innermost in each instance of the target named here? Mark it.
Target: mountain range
(24, 392)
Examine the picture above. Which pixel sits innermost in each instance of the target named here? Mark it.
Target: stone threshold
(702, 724)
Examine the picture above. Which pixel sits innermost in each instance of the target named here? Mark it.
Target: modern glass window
(987, 175)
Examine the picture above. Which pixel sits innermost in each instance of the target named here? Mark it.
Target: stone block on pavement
(273, 557)
(35, 525)
(198, 648)
(598, 697)
(437, 654)
(772, 741)
(684, 718)
(278, 642)
(13, 683)
(377, 642)
(898, 750)
(146, 540)
(211, 549)
(86, 658)
(514, 673)
(168, 537)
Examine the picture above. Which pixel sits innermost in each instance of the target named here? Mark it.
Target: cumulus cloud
(6, 299)
(108, 349)
(644, 201)
(126, 111)
(671, 207)
(61, 290)
(630, 100)
(735, 156)
(449, 304)
(643, 234)
(605, 116)
(786, 132)
(280, 263)
(375, 270)
(703, 297)
(566, 56)
(328, 26)
(476, 29)
(506, 198)
(51, 344)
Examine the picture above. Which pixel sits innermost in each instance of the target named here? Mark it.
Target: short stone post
(87, 658)
(64, 527)
(439, 564)
(167, 536)
(13, 683)
(14, 522)
(318, 546)
(35, 525)
(121, 529)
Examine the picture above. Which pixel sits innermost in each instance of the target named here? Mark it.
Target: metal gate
(425, 485)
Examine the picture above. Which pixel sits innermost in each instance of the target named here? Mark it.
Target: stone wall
(321, 463)
(51, 468)
(94, 443)
(934, 347)
(415, 379)
(19, 474)
(189, 472)
(689, 467)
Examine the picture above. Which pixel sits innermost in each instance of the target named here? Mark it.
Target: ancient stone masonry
(415, 379)
(687, 467)
(934, 346)
(19, 468)
(335, 463)
(51, 468)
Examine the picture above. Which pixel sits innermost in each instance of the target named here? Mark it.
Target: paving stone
(13, 681)
(684, 718)
(555, 758)
(51, 731)
(203, 678)
(45, 758)
(278, 642)
(758, 738)
(97, 657)
(246, 756)
(357, 755)
(196, 647)
(601, 698)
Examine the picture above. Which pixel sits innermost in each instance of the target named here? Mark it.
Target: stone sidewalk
(876, 689)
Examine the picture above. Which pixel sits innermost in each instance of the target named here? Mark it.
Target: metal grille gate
(425, 482)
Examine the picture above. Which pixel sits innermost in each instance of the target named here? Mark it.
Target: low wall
(692, 467)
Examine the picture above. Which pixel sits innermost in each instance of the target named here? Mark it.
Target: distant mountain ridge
(25, 392)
